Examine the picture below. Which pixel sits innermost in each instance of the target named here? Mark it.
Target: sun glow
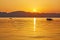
(34, 10)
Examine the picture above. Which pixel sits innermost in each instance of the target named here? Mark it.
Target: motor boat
(49, 19)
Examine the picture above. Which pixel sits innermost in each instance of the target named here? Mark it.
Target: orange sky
(30, 5)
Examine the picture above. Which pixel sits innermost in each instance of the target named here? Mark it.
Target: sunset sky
(30, 5)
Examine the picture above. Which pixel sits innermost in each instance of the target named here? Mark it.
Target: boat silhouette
(49, 19)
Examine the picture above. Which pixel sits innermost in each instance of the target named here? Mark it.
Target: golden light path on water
(34, 24)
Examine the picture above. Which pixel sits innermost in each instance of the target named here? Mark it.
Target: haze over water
(23, 29)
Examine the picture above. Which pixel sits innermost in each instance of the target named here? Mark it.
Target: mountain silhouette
(28, 14)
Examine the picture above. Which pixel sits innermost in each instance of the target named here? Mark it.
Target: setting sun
(34, 10)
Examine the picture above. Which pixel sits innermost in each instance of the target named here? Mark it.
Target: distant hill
(28, 14)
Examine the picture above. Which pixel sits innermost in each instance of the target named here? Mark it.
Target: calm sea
(29, 29)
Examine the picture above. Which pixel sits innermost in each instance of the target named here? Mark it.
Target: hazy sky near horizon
(30, 5)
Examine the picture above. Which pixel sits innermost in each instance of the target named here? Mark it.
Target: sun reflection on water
(34, 24)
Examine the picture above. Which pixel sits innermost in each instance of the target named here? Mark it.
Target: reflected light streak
(34, 24)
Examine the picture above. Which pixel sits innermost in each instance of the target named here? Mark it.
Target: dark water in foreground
(23, 29)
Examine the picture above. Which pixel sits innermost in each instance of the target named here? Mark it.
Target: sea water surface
(23, 29)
